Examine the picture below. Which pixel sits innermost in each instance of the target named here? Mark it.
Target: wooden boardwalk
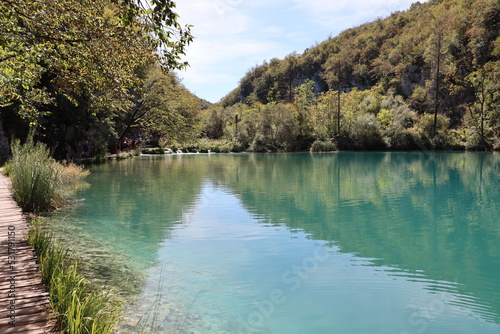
(24, 304)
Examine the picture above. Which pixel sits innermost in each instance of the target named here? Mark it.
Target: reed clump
(40, 183)
(79, 306)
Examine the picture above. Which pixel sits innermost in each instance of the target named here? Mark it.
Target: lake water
(296, 243)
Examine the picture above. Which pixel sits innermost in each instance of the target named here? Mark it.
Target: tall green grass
(79, 306)
(39, 183)
(33, 177)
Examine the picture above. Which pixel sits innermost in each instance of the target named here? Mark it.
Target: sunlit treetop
(161, 21)
(82, 48)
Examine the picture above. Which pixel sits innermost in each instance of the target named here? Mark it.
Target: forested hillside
(425, 77)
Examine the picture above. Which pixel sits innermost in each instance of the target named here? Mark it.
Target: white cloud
(348, 13)
(232, 36)
(209, 20)
(209, 60)
(228, 41)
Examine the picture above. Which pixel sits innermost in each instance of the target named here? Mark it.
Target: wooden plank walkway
(24, 304)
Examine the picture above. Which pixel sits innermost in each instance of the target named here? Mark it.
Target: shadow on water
(119, 222)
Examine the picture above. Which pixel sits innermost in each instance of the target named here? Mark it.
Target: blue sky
(232, 36)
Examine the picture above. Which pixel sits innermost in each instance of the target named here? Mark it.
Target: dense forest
(98, 76)
(92, 72)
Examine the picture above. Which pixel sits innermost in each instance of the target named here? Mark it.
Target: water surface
(297, 243)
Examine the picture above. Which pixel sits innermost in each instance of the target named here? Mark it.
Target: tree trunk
(338, 102)
(438, 70)
(129, 124)
(4, 143)
(483, 97)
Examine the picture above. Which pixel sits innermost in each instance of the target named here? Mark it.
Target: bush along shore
(203, 145)
(40, 185)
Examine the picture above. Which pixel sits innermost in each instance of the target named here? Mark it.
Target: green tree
(305, 99)
(423, 56)
(325, 122)
(287, 73)
(485, 111)
(77, 48)
(164, 109)
(337, 74)
(277, 128)
(385, 118)
(170, 38)
(215, 122)
(70, 66)
(436, 54)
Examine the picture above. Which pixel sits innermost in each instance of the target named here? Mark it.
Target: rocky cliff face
(410, 78)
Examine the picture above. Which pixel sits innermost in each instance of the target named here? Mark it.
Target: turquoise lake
(295, 243)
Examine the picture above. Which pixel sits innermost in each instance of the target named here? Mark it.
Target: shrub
(365, 133)
(403, 116)
(153, 150)
(425, 124)
(323, 146)
(128, 155)
(205, 145)
(496, 144)
(278, 129)
(259, 144)
(99, 158)
(476, 143)
(457, 140)
(385, 118)
(404, 139)
(228, 146)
